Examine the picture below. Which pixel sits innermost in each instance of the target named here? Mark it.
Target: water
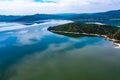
(30, 52)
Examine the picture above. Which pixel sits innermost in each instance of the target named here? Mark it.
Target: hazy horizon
(30, 7)
(53, 13)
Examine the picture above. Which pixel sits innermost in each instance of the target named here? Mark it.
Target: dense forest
(108, 30)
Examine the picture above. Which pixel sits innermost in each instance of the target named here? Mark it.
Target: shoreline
(117, 45)
(114, 41)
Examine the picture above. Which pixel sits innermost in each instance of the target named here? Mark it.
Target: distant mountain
(114, 15)
(100, 16)
(69, 15)
(37, 17)
(8, 18)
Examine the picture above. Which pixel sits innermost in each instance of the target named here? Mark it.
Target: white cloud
(56, 6)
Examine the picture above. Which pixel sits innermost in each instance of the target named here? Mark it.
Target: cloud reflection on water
(27, 34)
(55, 56)
(30, 48)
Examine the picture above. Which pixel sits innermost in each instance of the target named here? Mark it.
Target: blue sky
(29, 7)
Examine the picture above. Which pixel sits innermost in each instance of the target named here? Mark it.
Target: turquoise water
(30, 52)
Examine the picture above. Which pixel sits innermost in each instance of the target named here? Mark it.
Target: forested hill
(109, 31)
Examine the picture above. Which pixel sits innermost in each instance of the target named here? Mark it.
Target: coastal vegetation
(106, 31)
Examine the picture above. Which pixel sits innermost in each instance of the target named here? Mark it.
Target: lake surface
(30, 52)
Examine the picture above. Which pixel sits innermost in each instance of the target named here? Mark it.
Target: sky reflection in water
(33, 53)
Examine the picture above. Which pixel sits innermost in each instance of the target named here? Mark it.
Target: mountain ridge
(114, 14)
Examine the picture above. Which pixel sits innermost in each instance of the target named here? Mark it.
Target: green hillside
(76, 27)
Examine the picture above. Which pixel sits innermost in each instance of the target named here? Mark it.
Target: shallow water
(33, 53)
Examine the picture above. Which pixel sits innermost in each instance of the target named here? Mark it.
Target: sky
(29, 7)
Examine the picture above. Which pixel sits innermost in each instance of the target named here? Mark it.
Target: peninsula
(107, 31)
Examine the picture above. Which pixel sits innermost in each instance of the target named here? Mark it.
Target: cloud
(25, 7)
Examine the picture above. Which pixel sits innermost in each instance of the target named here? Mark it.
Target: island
(107, 31)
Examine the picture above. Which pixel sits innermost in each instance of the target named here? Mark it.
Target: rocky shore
(115, 42)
